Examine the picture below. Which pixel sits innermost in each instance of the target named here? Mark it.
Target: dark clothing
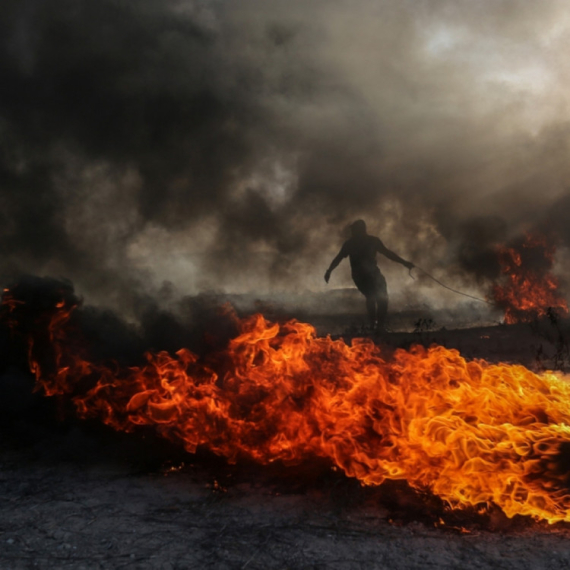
(370, 282)
(361, 251)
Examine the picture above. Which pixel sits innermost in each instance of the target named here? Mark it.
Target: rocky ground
(76, 495)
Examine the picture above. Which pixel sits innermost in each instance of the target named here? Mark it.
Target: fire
(471, 432)
(530, 289)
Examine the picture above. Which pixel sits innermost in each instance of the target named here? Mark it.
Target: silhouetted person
(361, 249)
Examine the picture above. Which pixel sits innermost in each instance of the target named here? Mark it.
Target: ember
(530, 289)
(473, 433)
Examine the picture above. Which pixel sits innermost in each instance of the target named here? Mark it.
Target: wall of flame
(473, 433)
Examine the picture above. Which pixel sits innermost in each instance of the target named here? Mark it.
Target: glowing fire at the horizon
(530, 289)
(473, 433)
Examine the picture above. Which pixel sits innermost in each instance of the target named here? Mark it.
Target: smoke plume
(224, 146)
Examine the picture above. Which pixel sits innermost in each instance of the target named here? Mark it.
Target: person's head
(358, 228)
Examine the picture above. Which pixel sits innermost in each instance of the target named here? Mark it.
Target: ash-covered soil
(77, 495)
(81, 497)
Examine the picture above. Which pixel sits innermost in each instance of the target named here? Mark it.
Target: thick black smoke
(224, 145)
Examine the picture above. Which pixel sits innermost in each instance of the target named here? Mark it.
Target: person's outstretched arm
(339, 257)
(381, 248)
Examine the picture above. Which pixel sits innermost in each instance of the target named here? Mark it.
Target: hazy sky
(225, 145)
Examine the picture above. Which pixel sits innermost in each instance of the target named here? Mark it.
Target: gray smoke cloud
(225, 146)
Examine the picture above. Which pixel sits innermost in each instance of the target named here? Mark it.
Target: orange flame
(530, 289)
(473, 433)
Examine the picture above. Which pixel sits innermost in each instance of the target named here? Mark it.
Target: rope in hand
(447, 287)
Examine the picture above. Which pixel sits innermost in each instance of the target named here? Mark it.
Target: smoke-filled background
(174, 147)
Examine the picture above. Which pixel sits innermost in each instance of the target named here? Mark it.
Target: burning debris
(530, 290)
(473, 433)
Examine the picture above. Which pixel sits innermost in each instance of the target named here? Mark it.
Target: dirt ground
(73, 500)
(76, 495)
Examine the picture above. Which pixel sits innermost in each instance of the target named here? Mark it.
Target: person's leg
(366, 284)
(381, 312)
(381, 302)
(371, 310)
